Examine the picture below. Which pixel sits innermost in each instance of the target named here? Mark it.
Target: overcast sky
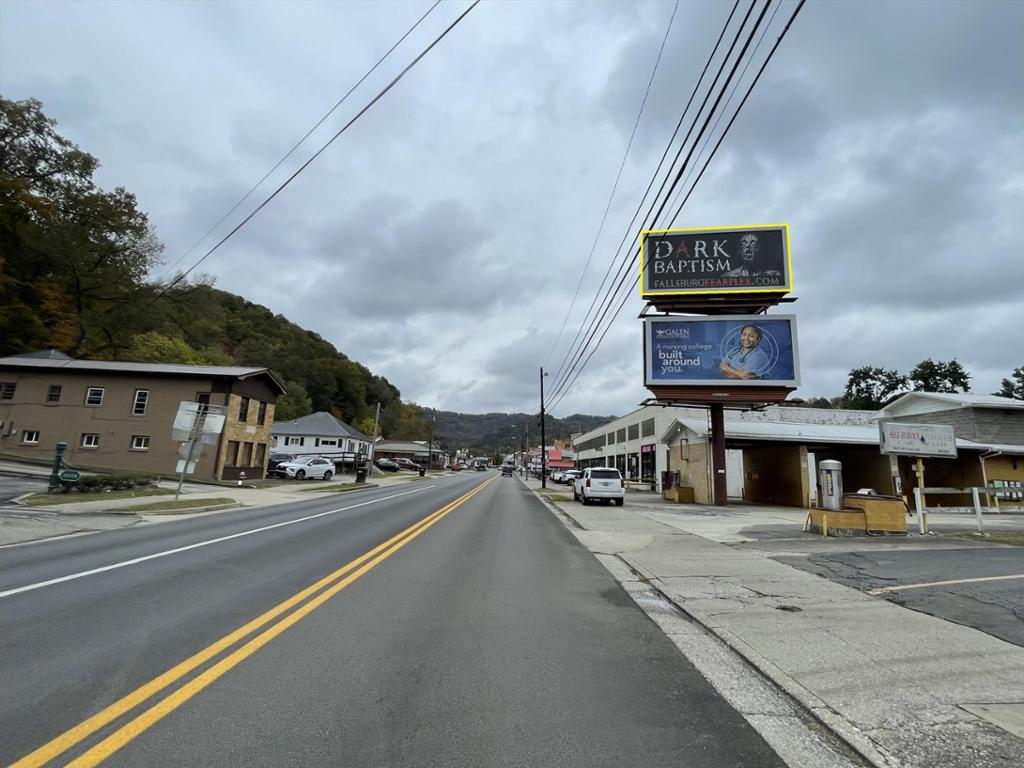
(440, 240)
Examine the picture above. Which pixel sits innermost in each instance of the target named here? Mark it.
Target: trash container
(423, 471)
(361, 472)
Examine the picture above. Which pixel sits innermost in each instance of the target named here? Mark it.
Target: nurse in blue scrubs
(748, 360)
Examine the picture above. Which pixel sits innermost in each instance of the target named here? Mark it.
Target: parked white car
(308, 466)
(556, 476)
(604, 483)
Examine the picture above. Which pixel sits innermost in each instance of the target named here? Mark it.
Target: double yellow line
(334, 583)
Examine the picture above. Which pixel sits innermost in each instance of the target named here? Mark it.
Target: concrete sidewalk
(900, 687)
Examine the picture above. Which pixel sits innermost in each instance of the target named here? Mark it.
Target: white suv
(599, 483)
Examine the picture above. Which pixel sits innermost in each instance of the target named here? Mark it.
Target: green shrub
(101, 483)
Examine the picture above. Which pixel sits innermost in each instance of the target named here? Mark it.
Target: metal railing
(974, 491)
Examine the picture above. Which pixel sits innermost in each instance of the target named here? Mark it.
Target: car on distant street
(386, 464)
(409, 464)
(308, 466)
(456, 467)
(599, 483)
(507, 470)
(276, 460)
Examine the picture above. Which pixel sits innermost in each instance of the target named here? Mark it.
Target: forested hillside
(75, 275)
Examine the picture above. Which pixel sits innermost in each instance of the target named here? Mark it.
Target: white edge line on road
(880, 590)
(197, 545)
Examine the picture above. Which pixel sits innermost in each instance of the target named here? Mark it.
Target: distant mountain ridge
(490, 433)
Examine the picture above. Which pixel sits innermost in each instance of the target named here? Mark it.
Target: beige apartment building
(119, 415)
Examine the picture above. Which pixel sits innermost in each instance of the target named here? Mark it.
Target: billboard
(725, 260)
(903, 439)
(738, 350)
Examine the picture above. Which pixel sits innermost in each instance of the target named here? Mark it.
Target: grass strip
(53, 499)
(164, 506)
(336, 487)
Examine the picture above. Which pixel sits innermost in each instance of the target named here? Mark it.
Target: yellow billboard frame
(789, 261)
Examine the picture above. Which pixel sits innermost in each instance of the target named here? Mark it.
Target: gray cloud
(886, 134)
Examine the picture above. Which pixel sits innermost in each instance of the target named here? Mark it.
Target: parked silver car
(604, 483)
(570, 475)
(308, 466)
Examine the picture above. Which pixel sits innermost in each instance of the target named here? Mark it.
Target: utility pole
(430, 445)
(543, 436)
(523, 468)
(373, 438)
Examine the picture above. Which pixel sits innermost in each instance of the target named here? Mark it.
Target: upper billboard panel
(725, 260)
(738, 350)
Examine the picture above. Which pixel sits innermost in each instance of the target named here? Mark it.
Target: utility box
(830, 484)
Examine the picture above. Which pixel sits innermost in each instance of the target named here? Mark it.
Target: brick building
(118, 415)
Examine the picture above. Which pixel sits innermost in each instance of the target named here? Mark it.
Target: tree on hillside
(869, 387)
(818, 402)
(153, 347)
(294, 404)
(1014, 386)
(940, 376)
(73, 257)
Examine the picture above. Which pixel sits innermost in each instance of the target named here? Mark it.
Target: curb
(187, 511)
(816, 708)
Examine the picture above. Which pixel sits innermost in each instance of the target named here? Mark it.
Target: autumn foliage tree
(73, 257)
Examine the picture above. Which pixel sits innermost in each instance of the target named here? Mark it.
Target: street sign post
(195, 425)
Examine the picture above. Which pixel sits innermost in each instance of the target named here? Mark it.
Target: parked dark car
(276, 460)
(408, 464)
(387, 465)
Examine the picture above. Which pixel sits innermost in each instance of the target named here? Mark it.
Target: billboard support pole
(718, 455)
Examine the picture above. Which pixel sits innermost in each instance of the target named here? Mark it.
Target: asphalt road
(487, 637)
(994, 606)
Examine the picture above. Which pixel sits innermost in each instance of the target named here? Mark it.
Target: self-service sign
(936, 440)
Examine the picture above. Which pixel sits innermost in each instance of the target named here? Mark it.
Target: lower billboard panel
(740, 351)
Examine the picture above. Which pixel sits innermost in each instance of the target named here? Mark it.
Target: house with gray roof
(419, 451)
(319, 434)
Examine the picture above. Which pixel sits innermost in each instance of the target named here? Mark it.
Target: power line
(299, 143)
(624, 264)
(718, 144)
(650, 184)
(579, 363)
(757, 77)
(320, 151)
(622, 272)
(725, 108)
(615, 186)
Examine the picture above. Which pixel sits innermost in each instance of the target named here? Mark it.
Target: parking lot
(950, 572)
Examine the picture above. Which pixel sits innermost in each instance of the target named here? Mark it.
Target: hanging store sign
(738, 351)
(726, 260)
(903, 439)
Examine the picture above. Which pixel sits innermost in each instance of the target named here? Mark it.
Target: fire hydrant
(241, 477)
